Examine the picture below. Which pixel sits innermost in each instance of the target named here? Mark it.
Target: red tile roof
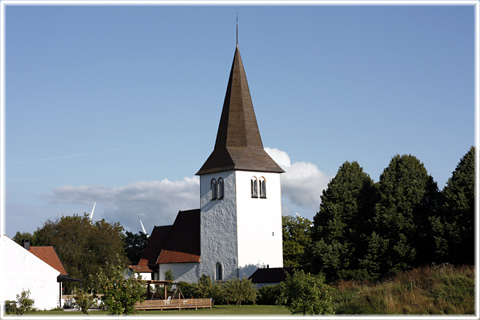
(140, 268)
(49, 256)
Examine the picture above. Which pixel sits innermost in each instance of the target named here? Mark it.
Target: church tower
(240, 195)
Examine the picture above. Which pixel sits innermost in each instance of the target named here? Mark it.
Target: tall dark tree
(83, 246)
(458, 208)
(296, 237)
(402, 236)
(343, 223)
(135, 244)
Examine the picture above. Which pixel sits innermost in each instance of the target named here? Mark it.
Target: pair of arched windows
(217, 188)
(258, 187)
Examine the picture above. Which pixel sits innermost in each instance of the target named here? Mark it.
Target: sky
(120, 105)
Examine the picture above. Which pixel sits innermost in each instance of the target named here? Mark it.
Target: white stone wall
(259, 224)
(218, 227)
(21, 270)
(187, 272)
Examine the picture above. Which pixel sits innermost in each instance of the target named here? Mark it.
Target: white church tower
(240, 195)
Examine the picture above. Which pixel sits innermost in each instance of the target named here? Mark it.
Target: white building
(238, 227)
(36, 270)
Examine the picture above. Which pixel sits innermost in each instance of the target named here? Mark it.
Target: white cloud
(155, 202)
(302, 182)
(158, 202)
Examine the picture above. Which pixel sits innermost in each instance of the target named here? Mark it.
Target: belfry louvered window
(254, 187)
(220, 188)
(213, 188)
(263, 188)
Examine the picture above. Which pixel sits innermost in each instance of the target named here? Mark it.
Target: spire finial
(237, 28)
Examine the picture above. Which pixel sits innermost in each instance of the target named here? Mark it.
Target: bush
(269, 294)
(306, 293)
(206, 288)
(23, 304)
(83, 300)
(239, 291)
(120, 292)
(189, 290)
(10, 307)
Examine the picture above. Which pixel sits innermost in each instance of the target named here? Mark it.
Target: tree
(457, 213)
(240, 290)
(20, 236)
(83, 246)
(135, 244)
(402, 236)
(119, 292)
(296, 237)
(306, 293)
(342, 225)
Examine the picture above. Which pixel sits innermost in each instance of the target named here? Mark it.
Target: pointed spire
(238, 145)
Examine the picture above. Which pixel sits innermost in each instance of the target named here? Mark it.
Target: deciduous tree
(83, 246)
(296, 237)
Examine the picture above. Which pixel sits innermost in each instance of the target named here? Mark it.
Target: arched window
(213, 187)
(218, 272)
(254, 187)
(263, 188)
(220, 188)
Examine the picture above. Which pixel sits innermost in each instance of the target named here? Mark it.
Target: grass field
(216, 310)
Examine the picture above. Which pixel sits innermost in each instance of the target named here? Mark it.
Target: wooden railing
(174, 304)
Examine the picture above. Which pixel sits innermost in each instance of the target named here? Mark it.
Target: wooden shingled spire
(238, 145)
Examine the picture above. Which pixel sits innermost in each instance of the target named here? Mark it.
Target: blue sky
(120, 105)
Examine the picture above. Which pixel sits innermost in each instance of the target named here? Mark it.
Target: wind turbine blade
(93, 209)
(143, 228)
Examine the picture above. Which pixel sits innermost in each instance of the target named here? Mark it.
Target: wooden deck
(174, 304)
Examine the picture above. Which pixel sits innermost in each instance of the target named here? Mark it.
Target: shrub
(83, 300)
(239, 291)
(23, 304)
(189, 290)
(10, 307)
(306, 293)
(269, 294)
(120, 292)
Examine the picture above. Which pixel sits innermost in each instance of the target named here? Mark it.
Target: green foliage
(20, 236)
(403, 233)
(455, 233)
(23, 304)
(268, 295)
(120, 292)
(83, 300)
(83, 246)
(240, 290)
(306, 293)
(189, 290)
(206, 288)
(341, 227)
(442, 289)
(135, 244)
(296, 237)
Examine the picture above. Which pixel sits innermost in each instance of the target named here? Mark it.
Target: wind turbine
(93, 209)
(143, 228)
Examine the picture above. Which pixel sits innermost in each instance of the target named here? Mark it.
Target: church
(238, 227)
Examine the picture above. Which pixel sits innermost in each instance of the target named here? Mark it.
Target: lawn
(216, 310)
